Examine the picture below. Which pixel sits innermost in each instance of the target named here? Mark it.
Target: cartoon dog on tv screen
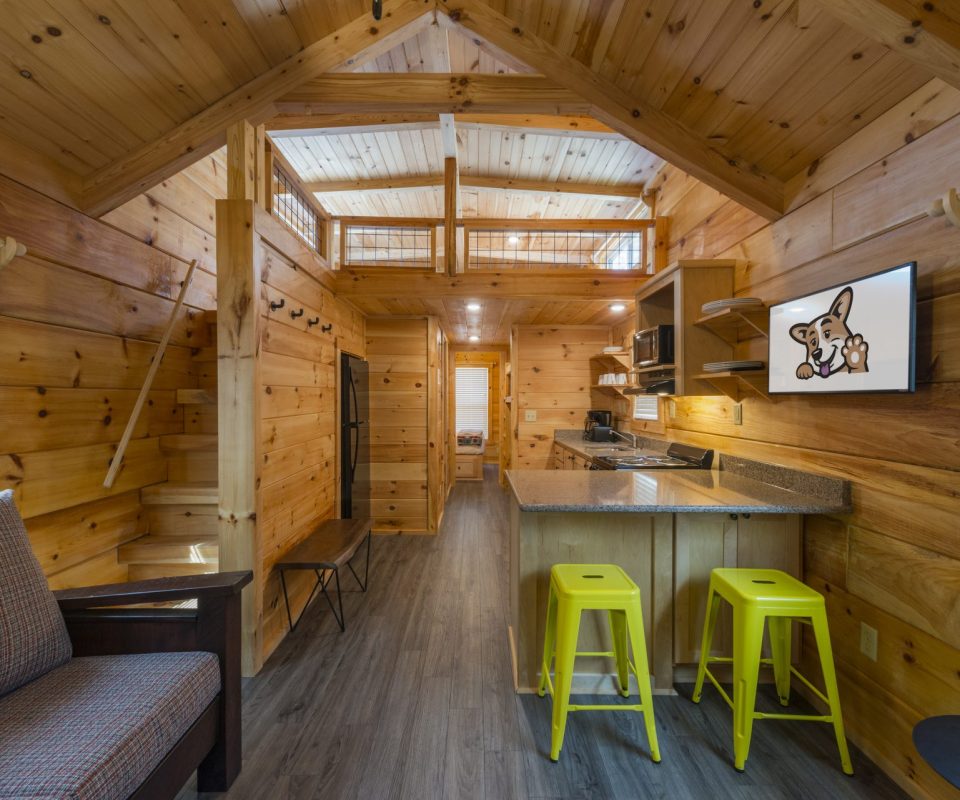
(831, 347)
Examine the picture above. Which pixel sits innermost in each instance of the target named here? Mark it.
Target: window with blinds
(646, 407)
(473, 411)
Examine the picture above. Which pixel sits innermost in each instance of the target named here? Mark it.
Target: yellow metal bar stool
(575, 588)
(772, 596)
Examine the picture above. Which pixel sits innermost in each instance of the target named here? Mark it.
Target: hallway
(415, 700)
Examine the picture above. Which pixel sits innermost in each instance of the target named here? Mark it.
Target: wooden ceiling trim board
(138, 170)
(926, 34)
(868, 98)
(376, 184)
(804, 94)
(544, 123)
(638, 121)
(338, 124)
(715, 64)
(427, 92)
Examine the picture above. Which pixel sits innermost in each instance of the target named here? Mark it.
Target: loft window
(293, 208)
(473, 408)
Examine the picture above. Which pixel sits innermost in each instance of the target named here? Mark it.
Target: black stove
(678, 456)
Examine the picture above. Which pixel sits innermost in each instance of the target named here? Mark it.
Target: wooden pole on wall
(239, 269)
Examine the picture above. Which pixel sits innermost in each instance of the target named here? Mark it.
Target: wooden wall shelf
(736, 325)
(613, 389)
(733, 383)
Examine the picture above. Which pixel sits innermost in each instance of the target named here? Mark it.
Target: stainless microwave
(653, 346)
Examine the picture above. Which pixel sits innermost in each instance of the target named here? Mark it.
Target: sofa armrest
(158, 590)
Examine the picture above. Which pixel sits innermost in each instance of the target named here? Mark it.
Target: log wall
(80, 317)
(894, 563)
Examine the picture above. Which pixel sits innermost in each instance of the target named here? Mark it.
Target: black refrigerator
(354, 437)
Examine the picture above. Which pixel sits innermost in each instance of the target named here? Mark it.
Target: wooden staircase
(181, 514)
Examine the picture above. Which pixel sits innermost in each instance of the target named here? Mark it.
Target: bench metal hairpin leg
(322, 585)
(366, 573)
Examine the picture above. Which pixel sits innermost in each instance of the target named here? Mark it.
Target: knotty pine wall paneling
(298, 407)
(80, 318)
(551, 377)
(894, 563)
(397, 351)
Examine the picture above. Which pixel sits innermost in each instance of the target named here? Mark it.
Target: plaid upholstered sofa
(100, 702)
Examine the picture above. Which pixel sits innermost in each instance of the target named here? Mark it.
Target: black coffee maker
(598, 426)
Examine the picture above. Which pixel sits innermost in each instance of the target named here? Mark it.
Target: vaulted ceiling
(743, 94)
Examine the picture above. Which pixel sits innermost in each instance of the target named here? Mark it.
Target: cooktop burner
(678, 456)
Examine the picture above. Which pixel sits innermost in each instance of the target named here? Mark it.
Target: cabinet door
(702, 542)
(557, 457)
(770, 541)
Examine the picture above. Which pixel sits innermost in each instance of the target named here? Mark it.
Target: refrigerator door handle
(355, 426)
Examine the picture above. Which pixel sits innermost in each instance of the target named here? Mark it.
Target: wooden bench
(334, 543)
(470, 462)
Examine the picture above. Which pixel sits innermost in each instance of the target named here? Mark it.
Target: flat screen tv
(858, 336)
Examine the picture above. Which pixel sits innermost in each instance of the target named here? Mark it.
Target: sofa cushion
(95, 728)
(33, 636)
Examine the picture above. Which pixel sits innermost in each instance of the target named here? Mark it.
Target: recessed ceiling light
(616, 308)
(473, 306)
(474, 338)
(513, 239)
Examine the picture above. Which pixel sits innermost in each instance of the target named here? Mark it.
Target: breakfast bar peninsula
(667, 529)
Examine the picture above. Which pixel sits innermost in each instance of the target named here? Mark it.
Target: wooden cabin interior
(266, 265)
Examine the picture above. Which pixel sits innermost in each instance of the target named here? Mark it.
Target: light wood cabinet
(705, 541)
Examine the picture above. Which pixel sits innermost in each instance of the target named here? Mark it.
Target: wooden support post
(661, 244)
(451, 189)
(239, 269)
(266, 175)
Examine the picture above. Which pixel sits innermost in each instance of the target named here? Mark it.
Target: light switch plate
(530, 415)
(672, 408)
(738, 414)
(868, 641)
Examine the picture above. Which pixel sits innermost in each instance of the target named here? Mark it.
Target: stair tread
(188, 441)
(180, 494)
(172, 549)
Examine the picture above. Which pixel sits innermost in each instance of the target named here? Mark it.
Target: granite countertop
(739, 486)
(573, 441)
(661, 490)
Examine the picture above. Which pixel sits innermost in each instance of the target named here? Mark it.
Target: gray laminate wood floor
(415, 700)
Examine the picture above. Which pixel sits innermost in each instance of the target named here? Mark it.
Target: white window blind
(473, 411)
(646, 407)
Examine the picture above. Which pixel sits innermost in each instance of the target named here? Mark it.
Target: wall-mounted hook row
(295, 314)
(312, 322)
(326, 328)
(275, 306)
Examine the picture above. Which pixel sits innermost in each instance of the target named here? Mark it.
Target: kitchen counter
(668, 528)
(661, 490)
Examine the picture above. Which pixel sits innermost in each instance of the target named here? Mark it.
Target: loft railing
(542, 245)
(396, 243)
(498, 245)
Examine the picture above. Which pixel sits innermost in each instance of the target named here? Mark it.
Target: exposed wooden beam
(339, 124)
(562, 284)
(376, 184)
(927, 34)
(631, 116)
(481, 182)
(558, 187)
(424, 92)
(146, 166)
(451, 153)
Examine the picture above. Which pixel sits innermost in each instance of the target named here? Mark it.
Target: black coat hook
(295, 314)
(312, 322)
(327, 328)
(276, 306)
(377, 9)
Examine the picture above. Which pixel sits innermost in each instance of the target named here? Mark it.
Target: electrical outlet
(672, 408)
(530, 415)
(738, 414)
(868, 641)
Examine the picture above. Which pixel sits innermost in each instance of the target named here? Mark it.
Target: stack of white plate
(731, 366)
(615, 349)
(731, 302)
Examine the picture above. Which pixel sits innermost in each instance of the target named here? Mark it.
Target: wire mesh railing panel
(388, 246)
(545, 249)
(294, 210)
